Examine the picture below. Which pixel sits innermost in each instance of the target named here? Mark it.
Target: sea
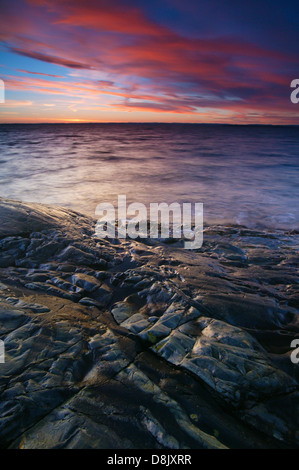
(246, 175)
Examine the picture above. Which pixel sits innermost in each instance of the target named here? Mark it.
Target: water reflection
(247, 175)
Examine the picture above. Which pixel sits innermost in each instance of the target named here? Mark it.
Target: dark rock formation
(143, 344)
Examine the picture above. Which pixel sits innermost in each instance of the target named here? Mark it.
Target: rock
(19, 217)
(175, 347)
(135, 323)
(91, 302)
(231, 361)
(77, 256)
(6, 261)
(122, 311)
(88, 283)
(142, 344)
(10, 319)
(155, 333)
(36, 308)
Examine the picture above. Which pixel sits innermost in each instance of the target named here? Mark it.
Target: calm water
(246, 175)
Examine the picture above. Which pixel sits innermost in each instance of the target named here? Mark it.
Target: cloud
(39, 73)
(17, 104)
(116, 52)
(50, 59)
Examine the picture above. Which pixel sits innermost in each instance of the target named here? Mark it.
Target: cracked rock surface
(143, 344)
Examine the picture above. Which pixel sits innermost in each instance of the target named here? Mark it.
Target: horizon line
(147, 122)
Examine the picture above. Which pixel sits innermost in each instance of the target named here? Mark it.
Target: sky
(212, 61)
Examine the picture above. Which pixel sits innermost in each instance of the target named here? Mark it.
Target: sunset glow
(158, 61)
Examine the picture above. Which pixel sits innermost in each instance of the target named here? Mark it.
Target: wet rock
(51, 289)
(35, 308)
(135, 323)
(6, 261)
(122, 311)
(231, 361)
(86, 282)
(140, 344)
(77, 256)
(91, 302)
(10, 318)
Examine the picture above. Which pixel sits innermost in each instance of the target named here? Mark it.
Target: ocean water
(247, 175)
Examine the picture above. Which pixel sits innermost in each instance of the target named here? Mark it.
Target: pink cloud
(162, 69)
(39, 73)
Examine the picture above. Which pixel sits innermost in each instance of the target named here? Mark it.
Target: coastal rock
(142, 344)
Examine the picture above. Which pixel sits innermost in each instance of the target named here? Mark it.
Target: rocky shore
(143, 344)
